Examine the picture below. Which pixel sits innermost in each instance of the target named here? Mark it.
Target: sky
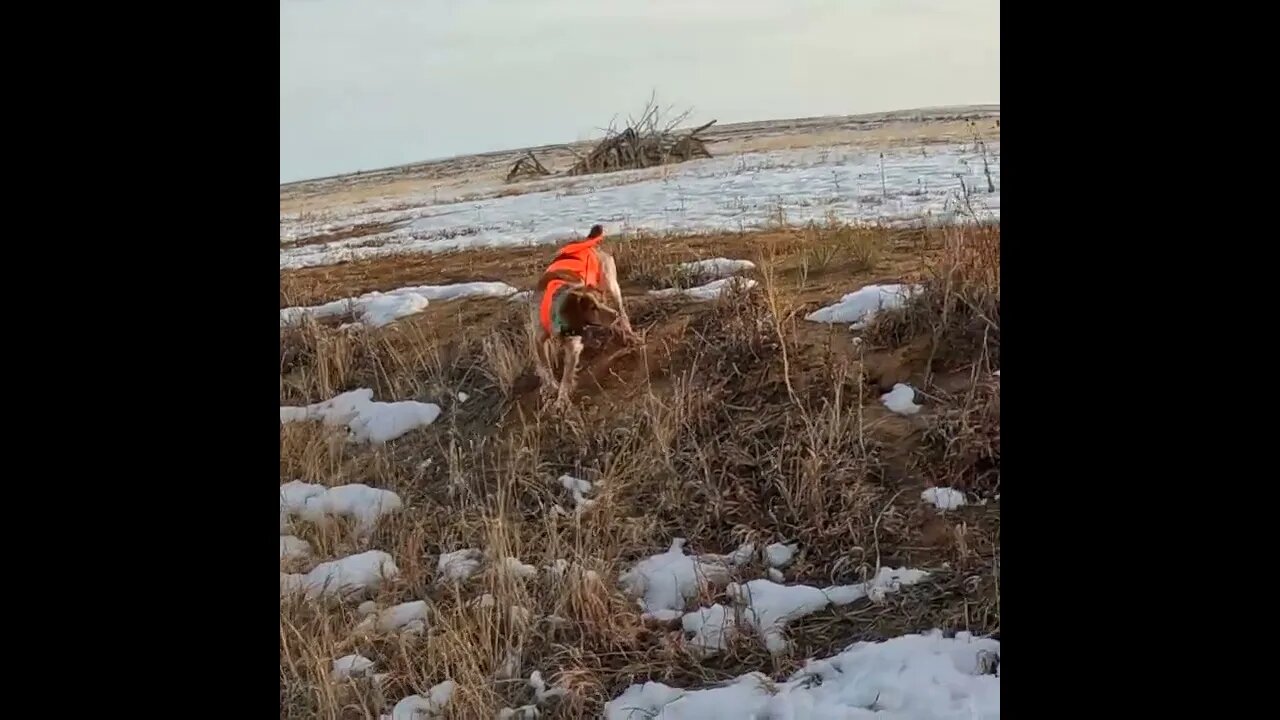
(367, 84)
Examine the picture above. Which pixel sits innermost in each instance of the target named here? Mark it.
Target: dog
(572, 295)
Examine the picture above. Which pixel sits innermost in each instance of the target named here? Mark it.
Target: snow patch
(911, 676)
(346, 578)
(901, 400)
(294, 548)
(715, 267)
(366, 420)
(943, 498)
(458, 565)
(380, 422)
(728, 194)
(361, 503)
(860, 306)
(767, 607)
(418, 707)
(518, 568)
(779, 555)
(579, 489)
(664, 582)
(524, 712)
(350, 666)
(710, 291)
(540, 690)
(377, 309)
(709, 629)
(541, 694)
(408, 618)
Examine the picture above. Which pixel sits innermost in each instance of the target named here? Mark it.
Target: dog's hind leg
(538, 341)
(572, 350)
(544, 364)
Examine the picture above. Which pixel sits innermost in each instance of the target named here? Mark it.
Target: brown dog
(572, 296)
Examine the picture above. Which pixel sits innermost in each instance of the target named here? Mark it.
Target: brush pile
(649, 146)
(527, 168)
(649, 141)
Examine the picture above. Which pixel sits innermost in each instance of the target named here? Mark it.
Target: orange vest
(578, 258)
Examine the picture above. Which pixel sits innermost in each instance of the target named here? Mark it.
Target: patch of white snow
(943, 498)
(458, 565)
(779, 555)
(518, 568)
(408, 617)
(417, 707)
(664, 582)
(862, 305)
(901, 400)
(294, 548)
(578, 488)
(715, 267)
(361, 503)
(767, 607)
(350, 666)
(710, 291)
(377, 309)
(540, 690)
(908, 677)
(366, 420)
(346, 578)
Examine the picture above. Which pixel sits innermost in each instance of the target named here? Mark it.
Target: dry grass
(737, 421)
(959, 307)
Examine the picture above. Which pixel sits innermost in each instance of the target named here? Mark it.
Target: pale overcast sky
(366, 84)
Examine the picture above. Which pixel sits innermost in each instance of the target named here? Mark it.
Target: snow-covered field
(935, 183)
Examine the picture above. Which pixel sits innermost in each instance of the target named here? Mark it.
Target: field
(755, 487)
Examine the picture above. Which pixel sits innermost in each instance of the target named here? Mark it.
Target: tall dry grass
(751, 430)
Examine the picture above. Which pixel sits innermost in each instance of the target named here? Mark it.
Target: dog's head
(585, 307)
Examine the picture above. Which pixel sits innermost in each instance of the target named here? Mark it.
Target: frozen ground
(729, 193)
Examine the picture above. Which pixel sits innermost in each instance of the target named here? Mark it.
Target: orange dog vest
(578, 258)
